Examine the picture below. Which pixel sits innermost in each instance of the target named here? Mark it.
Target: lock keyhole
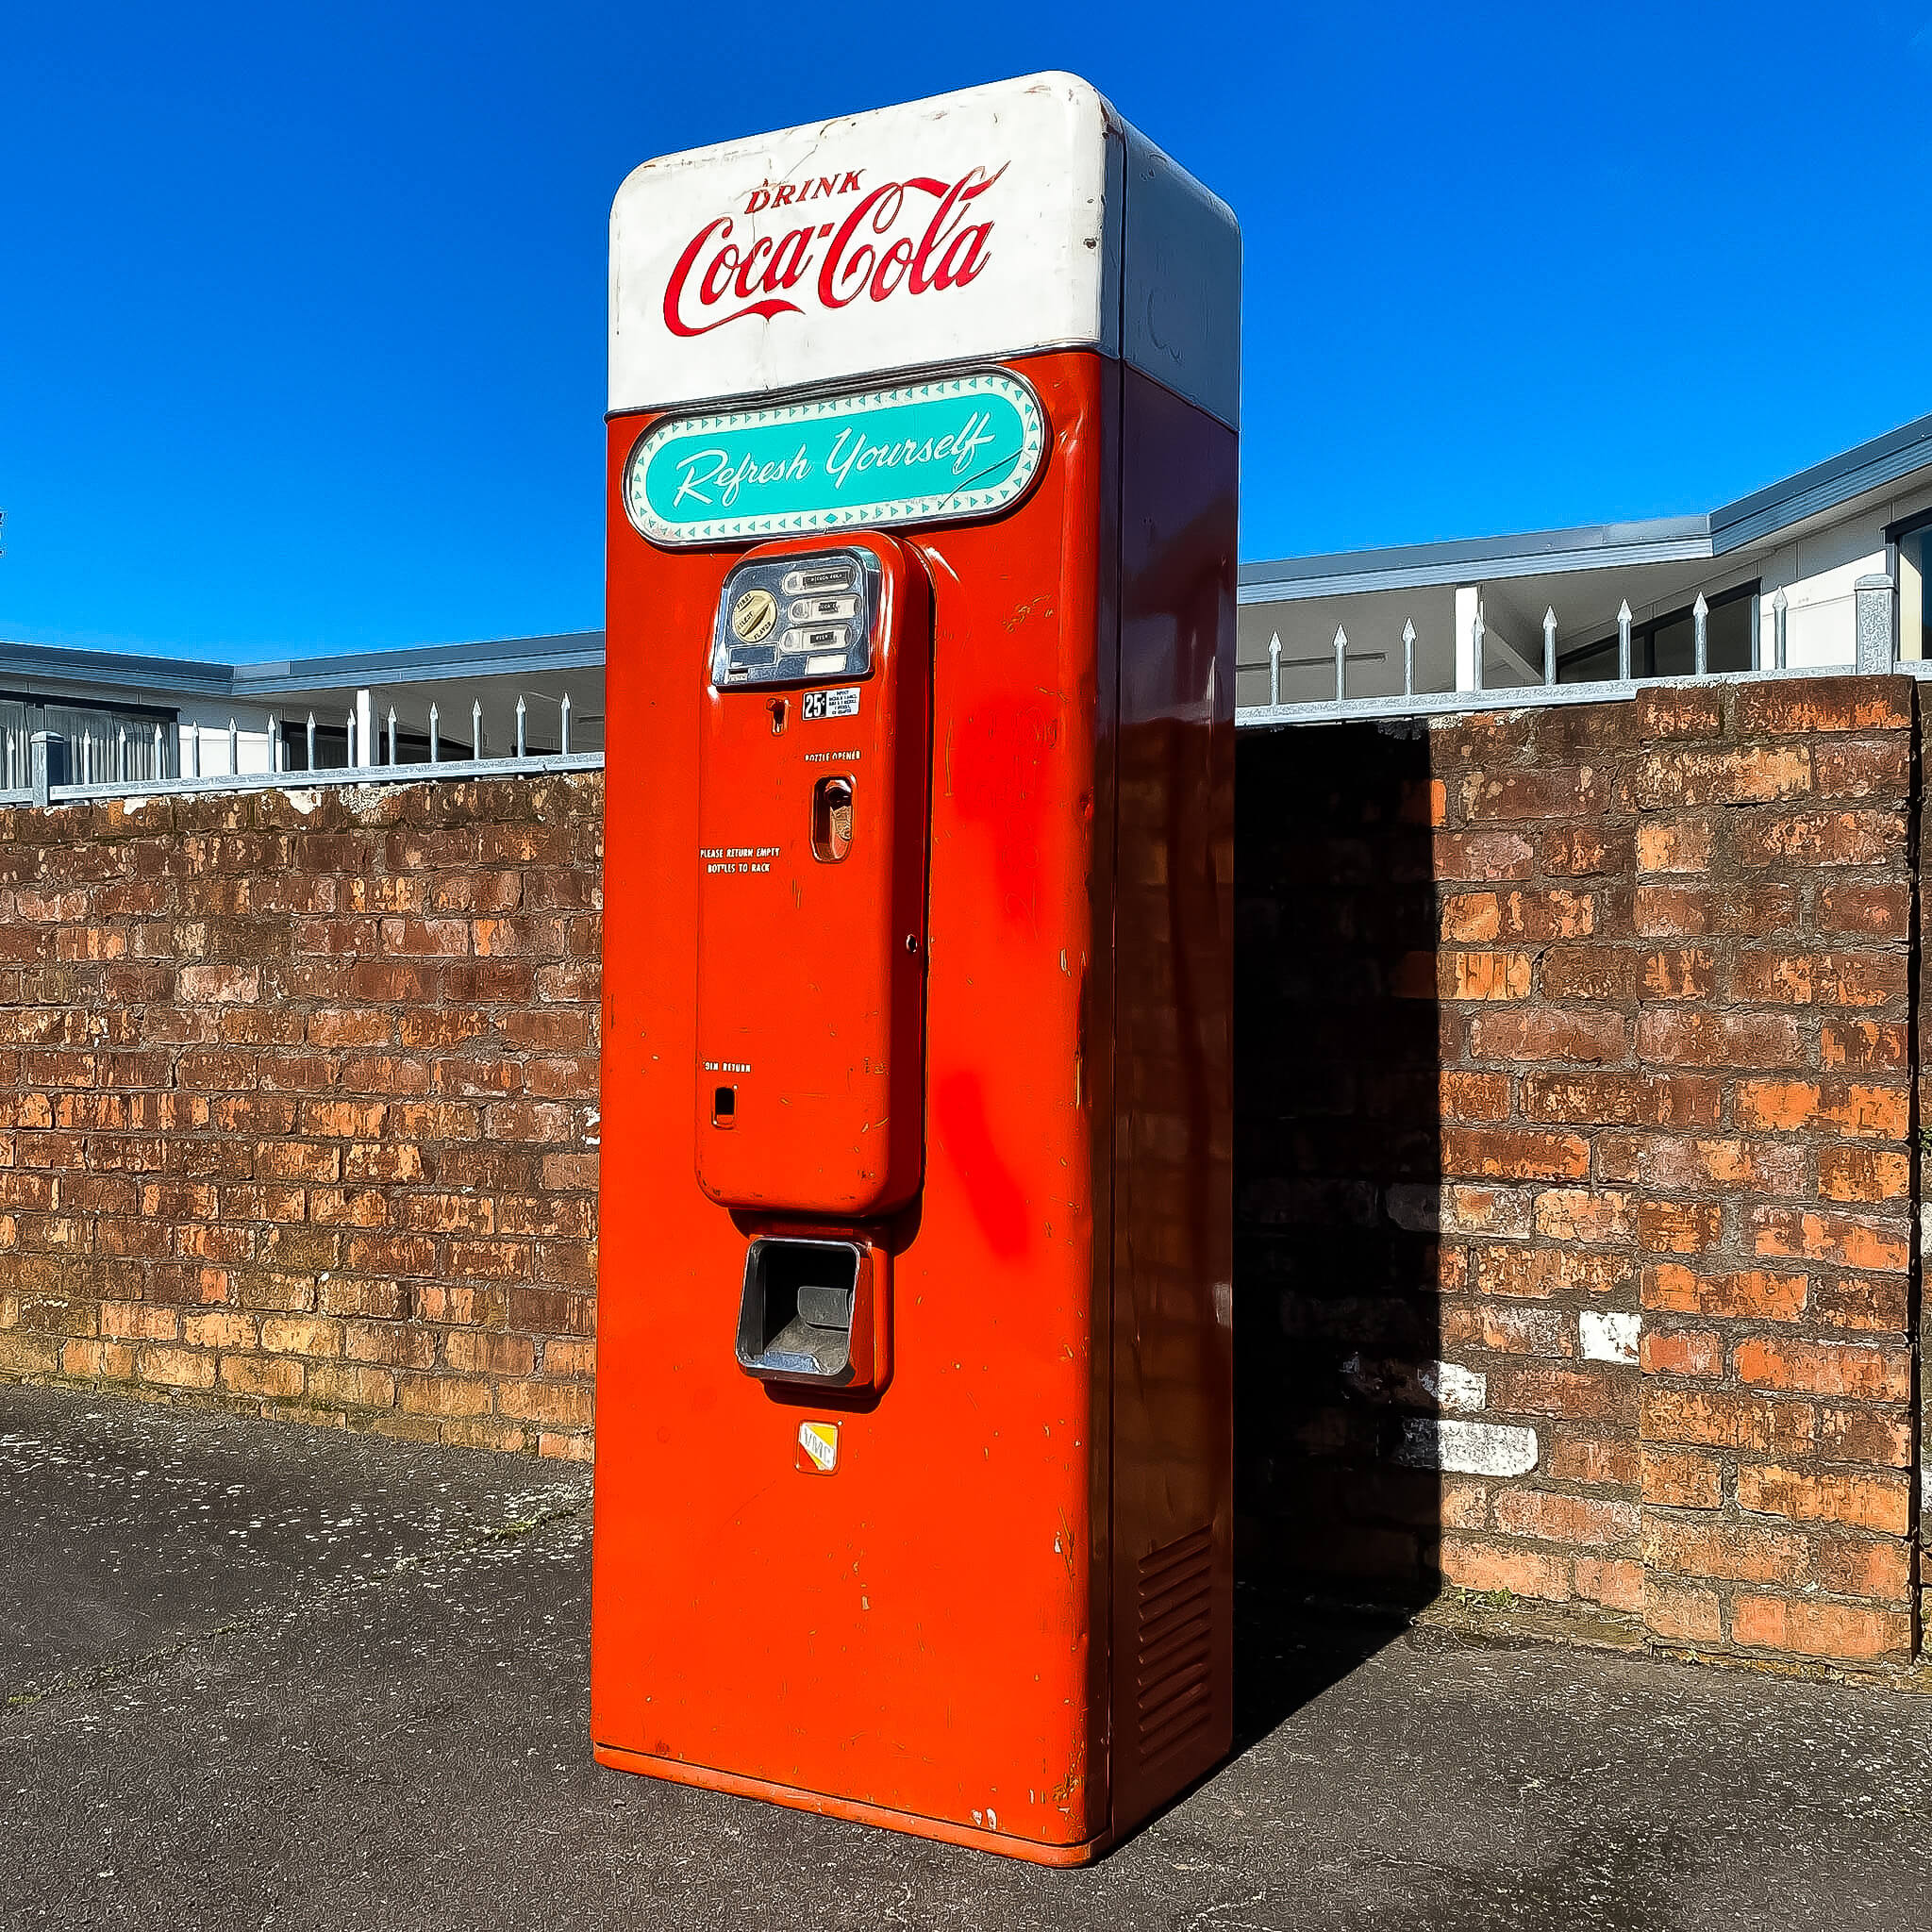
(831, 820)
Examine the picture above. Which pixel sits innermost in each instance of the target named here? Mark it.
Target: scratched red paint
(959, 1105)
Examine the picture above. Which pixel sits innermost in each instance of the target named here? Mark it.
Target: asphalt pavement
(260, 1675)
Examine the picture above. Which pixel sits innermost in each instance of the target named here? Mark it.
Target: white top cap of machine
(986, 224)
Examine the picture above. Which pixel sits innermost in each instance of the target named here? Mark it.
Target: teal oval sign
(924, 452)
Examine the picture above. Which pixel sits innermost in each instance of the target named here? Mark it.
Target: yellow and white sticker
(818, 1447)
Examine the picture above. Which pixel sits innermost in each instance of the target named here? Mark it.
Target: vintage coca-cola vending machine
(913, 1452)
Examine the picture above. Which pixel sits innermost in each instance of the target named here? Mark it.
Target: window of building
(1912, 544)
(103, 742)
(1666, 646)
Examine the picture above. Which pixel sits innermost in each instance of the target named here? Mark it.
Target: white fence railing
(1874, 629)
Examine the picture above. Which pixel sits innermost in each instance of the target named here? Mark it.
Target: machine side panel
(1172, 1353)
(914, 1628)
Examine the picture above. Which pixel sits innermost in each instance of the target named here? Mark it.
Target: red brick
(1692, 1164)
(1859, 1111)
(1584, 1035)
(1744, 1294)
(1822, 838)
(1681, 1351)
(1680, 845)
(1479, 1564)
(1744, 774)
(1801, 706)
(1477, 918)
(1483, 855)
(1682, 1613)
(1704, 1545)
(444, 1395)
(1727, 1419)
(1830, 979)
(262, 1376)
(1525, 1389)
(1839, 1631)
(1582, 1522)
(1718, 1039)
(1536, 1274)
(177, 1368)
(1862, 1046)
(1679, 1227)
(1862, 1174)
(1682, 1479)
(1589, 973)
(1882, 911)
(1679, 1100)
(1839, 1239)
(1472, 1096)
(1858, 1566)
(1585, 1214)
(1513, 1154)
(1871, 1500)
(1867, 1372)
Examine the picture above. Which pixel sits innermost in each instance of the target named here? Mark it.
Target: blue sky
(302, 308)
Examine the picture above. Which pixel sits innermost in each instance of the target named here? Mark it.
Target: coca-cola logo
(912, 236)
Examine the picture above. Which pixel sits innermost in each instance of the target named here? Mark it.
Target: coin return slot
(724, 1106)
(794, 1317)
(831, 820)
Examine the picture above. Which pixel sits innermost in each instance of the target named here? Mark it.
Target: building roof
(1753, 519)
(194, 678)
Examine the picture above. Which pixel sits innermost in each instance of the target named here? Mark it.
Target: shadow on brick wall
(1337, 1166)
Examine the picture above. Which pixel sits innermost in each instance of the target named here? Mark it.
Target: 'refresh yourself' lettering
(853, 452)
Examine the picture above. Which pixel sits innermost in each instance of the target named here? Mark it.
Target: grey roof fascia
(500, 658)
(1535, 553)
(52, 663)
(1824, 487)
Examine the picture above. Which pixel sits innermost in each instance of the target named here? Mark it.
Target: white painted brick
(1608, 1337)
(1421, 1384)
(1466, 1448)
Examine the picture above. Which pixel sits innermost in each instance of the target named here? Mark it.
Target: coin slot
(820, 577)
(831, 820)
(777, 710)
(822, 609)
(724, 1106)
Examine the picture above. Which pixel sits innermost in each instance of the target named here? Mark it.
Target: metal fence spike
(1408, 657)
(1624, 641)
(1274, 669)
(1549, 643)
(435, 746)
(476, 729)
(1781, 610)
(563, 723)
(520, 752)
(1341, 663)
(1700, 625)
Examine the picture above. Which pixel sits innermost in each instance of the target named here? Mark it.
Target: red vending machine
(913, 1454)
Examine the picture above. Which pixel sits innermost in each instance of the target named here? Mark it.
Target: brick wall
(1575, 1141)
(1576, 1159)
(298, 1102)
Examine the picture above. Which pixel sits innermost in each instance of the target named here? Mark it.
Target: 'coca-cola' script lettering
(890, 239)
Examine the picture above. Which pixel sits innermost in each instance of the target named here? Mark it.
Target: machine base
(999, 1842)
